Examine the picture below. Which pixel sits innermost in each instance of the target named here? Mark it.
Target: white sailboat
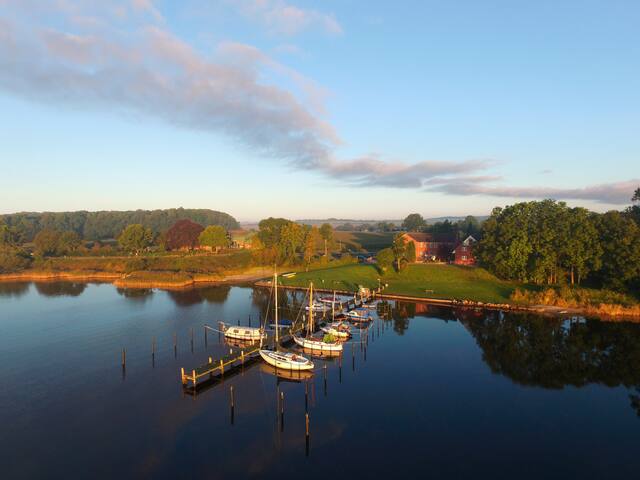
(247, 334)
(316, 344)
(284, 360)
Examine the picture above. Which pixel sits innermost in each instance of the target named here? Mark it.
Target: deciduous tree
(135, 238)
(215, 237)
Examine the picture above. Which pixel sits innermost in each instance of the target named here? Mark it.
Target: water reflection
(11, 289)
(60, 289)
(136, 294)
(210, 294)
(551, 353)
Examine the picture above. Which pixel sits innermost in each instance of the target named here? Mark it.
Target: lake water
(436, 393)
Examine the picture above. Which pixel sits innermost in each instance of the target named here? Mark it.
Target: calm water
(437, 393)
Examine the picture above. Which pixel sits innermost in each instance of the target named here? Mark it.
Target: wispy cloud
(149, 70)
(280, 17)
(614, 193)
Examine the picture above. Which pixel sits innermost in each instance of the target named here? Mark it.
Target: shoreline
(257, 275)
(539, 309)
(133, 280)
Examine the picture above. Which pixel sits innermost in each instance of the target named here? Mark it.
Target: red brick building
(431, 247)
(463, 253)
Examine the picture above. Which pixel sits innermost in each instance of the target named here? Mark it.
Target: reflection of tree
(534, 350)
(635, 401)
(290, 302)
(185, 298)
(138, 294)
(217, 294)
(12, 289)
(57, 289)
(401, 314)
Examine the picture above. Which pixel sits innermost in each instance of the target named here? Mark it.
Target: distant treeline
(108, 224)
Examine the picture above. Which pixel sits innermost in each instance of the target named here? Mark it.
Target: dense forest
(108, 224)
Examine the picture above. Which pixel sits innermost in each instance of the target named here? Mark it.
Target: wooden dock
(237, 358)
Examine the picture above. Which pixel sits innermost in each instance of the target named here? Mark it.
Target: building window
(464, 257)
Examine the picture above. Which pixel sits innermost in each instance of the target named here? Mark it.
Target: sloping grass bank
(422, 281)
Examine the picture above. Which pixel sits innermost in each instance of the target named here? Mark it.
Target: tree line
(282, 241)
(102, 225)
(546, 242)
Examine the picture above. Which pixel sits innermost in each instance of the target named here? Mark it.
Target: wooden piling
(124, 358)
(306, 396)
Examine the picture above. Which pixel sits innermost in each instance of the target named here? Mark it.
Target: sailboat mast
(333, 307)
(310, 327)
(275, 286)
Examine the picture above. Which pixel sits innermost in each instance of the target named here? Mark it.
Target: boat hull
(247, 334)
(317, 345)
(286, 361)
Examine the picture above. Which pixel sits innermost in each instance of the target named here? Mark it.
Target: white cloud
(280, 17)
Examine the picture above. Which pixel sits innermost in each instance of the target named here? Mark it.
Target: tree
(385, 258)
(6, 236)
(413, 223)
(310, 244)
(620, 242)
(326, 233)
(399, 248)
(580, 249)
(291, 242)
(183, 235)
(215, 237)
(135, 238)
(46, 242)
(636, 196)
(68, 243)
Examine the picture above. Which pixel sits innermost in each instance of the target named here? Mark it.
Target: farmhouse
(463, 253)
(431, 247)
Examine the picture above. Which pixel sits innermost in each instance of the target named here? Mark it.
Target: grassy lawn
(367, 241)
(445, 281)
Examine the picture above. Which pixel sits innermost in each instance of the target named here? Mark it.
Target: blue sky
(315, 109)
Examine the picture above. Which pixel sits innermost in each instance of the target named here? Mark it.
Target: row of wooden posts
(175, 349)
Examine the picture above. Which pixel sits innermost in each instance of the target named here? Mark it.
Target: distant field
(432, 281)
(364, 241)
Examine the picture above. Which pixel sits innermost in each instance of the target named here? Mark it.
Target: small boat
(284, 360)
(318, 344)
(372, 306)
(315, 307)
(252, 334)
(337, 329)
(356, 316)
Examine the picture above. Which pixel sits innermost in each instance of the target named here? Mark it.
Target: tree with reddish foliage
(183, 235)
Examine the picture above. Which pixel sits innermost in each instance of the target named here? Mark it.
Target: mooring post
(193, 378)
(221, 367)
(210, 360)
(324, 368)
(175, 345)
(184, 381)
(242, 356)
(306, 425)
(232, 403)
(306, 396)
(282, 411)
(124, 358)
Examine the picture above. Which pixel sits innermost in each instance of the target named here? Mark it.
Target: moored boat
(358, 316)
(286, 360)
(326, 344)
(337, 329)
(250, 334)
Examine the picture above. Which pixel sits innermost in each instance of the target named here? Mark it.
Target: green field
(364, 241)
(427, 281)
